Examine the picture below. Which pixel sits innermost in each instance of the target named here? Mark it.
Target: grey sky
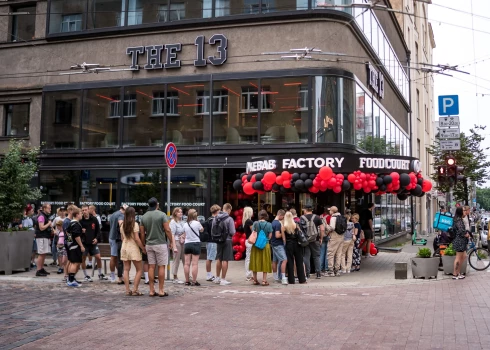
(458, 46)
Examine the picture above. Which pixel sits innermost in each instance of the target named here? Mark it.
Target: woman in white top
(192, 247)
(177, 228)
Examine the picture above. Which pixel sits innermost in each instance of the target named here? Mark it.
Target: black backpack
(340, 224)
(206, 234)
(219, 230)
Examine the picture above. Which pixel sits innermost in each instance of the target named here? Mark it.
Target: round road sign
(171, 155)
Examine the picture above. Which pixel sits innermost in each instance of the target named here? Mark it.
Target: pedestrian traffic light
(441, 174)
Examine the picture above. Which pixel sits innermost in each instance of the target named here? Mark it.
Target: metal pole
(168, 213)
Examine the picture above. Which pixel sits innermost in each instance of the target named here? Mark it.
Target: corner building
(193, 73)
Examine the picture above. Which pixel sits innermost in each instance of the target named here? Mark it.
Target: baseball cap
(334, 209)
(124, 206)
(307, 206)
(152, 202)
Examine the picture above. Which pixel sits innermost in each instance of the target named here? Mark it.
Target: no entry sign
(171, 155)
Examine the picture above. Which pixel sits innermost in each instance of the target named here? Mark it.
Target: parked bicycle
(478, 258)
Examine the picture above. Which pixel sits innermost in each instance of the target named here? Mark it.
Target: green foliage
(482, 255)
(424, 253)
(471, 157)
(483, 197)
(17, 169)
(378, 145)
(449, 251)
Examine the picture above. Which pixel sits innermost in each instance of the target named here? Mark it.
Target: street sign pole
(171, 160)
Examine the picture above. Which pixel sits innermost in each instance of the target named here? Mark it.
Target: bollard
(401, 270)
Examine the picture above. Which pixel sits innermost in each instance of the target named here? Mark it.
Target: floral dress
(460, 242)
(356, 255)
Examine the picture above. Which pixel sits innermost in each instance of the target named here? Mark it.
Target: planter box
(15, 250)
(448, 264)
(425, 267)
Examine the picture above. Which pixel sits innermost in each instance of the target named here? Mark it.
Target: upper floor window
(23, 24)
(71, 23)
(220, 102)
(177, 12)
(17, 119)
(129, 106)
(250, 99)
(64, 111)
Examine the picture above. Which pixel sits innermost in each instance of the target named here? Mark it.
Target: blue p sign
(449, 105)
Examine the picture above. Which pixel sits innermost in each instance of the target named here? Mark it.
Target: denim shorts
(279, 253)
(193, 248)
(113, 244)
(211, 249)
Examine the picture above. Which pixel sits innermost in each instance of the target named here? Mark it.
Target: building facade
(218, 79)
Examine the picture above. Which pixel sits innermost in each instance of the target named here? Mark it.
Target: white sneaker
(113, 279)
(88, 279)
(210, 279)
(177, 281)
(224, 283)
(285, 281)
(217, 280)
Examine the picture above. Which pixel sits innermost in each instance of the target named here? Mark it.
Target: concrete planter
(15, 250)
(448, 264)
(425, 267)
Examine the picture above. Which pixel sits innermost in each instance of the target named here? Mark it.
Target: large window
(360, 117)
(137, 186)
(23, 26)
(235, 111)
(143, 118)
(334, 108)
(17, 120)
(100, 122)
(61, 121)
(286, 118)
(67, 15)
(108, 13)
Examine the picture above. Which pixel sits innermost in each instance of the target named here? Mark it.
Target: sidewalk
(375, 271)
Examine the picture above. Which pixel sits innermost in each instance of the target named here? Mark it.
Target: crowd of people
(292, 248)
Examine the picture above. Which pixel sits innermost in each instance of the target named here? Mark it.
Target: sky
(470, 50)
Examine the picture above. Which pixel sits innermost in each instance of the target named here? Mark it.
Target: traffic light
(441, 174)
(453, 171)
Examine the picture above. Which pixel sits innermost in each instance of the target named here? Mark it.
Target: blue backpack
(261, 241)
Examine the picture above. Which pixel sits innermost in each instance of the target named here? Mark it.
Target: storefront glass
(284, 113)
(360, 117)
(101, 118)
(105, 13)
(144, 116)
(188, 190)
(235, 111)
(67, 16)
(58, 187)
(61, 120)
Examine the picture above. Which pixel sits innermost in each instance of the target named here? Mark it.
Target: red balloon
(339, 176)
(236, 213)
(253, 179)
(317, 183)
(332, 182)
(239, 221)
(372, 183)
(239, 256)
(426, 186)
(395, 176)
(357, 186)
(337, 189)
(242, 241)
(314, 189)
(279, 180)
(269, 178)
(362, 176)
(373, 250)
(366, 189)
(244, 178)
(286, 184)
(326, 173)
(351, 178)
(285, 175)
(248, 189)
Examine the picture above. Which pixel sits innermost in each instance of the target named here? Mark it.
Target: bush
(449, 251)
(424, 253)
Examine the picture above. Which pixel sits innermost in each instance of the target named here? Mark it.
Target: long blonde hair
(174, 213)
(247, 214)
(289, 224)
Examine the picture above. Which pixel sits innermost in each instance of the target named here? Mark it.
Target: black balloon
(242, 175)
(275, 188)
(259, 176)
(299, 184)
(312, 176)
(257, 185)
(283, 190)
(249, 177)
(379, 181)
(404, 180)
(237, 185)
(387, 179)
(345, 185)
(420, 181)
(308, 183)
(402, 196)
(304, 176)
(416, 191)
(422, 194)
(295, 177)
(382, 188)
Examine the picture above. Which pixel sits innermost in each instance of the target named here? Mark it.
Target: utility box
(401, 270)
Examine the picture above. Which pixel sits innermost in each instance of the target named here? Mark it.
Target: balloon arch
(403, 185)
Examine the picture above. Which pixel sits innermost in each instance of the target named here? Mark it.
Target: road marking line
(194, 313)
(249, 292)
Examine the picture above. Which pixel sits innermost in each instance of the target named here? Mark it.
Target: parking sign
(449, 105)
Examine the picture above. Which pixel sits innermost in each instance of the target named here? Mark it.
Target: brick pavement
(443, 315)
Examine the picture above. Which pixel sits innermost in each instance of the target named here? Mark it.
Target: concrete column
(5, 24)
(41, 8)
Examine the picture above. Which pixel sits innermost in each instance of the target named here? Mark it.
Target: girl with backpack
(192, 247)
(294, 251)
(260, 259)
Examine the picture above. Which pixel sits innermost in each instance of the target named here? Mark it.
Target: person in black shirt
(367, 227)
(247, 227)
(312, 250)
(90, 237)
(74, 247)
(211, 247)
(267, 208)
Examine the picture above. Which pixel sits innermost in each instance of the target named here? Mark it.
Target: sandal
(137, 293)
(197, 284)
(265, 283)
(165, 294)
(256, 283)
(153, 295)
(187, 283)
(128, 294)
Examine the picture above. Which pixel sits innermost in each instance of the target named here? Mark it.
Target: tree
(379, 145)
(17, 169)
(471, 156)
(483, 197)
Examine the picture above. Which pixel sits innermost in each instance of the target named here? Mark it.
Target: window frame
(7, 119)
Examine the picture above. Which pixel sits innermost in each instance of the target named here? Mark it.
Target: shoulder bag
(302, 240)
(197, 234)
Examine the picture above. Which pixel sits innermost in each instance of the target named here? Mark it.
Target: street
(438, 314)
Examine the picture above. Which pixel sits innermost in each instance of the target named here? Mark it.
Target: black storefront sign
(170, 52)
(339, 162)
(376, 80)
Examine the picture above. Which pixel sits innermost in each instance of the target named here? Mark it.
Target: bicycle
(478, 257)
